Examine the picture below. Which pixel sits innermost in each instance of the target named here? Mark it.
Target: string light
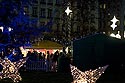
(10, 69)
(88, 76)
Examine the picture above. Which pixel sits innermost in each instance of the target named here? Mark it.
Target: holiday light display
(114, 20)
(10, 69)
(116, 36)
(68, 25)
(68, 11)
(1, 28)
(88, 76)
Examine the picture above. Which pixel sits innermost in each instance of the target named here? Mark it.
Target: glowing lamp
(1, 28)
(10, 29)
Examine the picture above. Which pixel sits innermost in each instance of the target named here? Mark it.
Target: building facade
(84, 19)
(107, 10)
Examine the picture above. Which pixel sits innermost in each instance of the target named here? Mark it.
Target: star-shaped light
(88, 76)
(10, 69)
(114, 20)
(68, 11)
(112, 35)
(116, 36)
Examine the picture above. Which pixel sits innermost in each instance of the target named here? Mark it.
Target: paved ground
(113, 74)
(43, 77)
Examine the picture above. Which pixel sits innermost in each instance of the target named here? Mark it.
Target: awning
(46, 44)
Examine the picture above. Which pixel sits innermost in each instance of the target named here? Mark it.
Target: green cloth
(95, 50)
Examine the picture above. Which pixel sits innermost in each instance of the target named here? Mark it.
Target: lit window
(104, 6)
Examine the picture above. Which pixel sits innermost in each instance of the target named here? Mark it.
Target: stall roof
(46, 44)
(97, 49)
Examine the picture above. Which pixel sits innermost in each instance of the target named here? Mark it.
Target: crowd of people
(57, 59)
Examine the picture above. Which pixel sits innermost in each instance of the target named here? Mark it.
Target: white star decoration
(116, 36)
(114, 20)
(10, 69)
(68, 11)
(88, 76)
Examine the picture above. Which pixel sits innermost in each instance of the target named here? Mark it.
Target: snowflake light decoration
(88, 76)
(10, 69)
(114, 20)
(68, 11)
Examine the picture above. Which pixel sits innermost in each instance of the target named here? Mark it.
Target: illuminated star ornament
(68, 11)
(10, 69)
(114, 20)
(88, 76)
